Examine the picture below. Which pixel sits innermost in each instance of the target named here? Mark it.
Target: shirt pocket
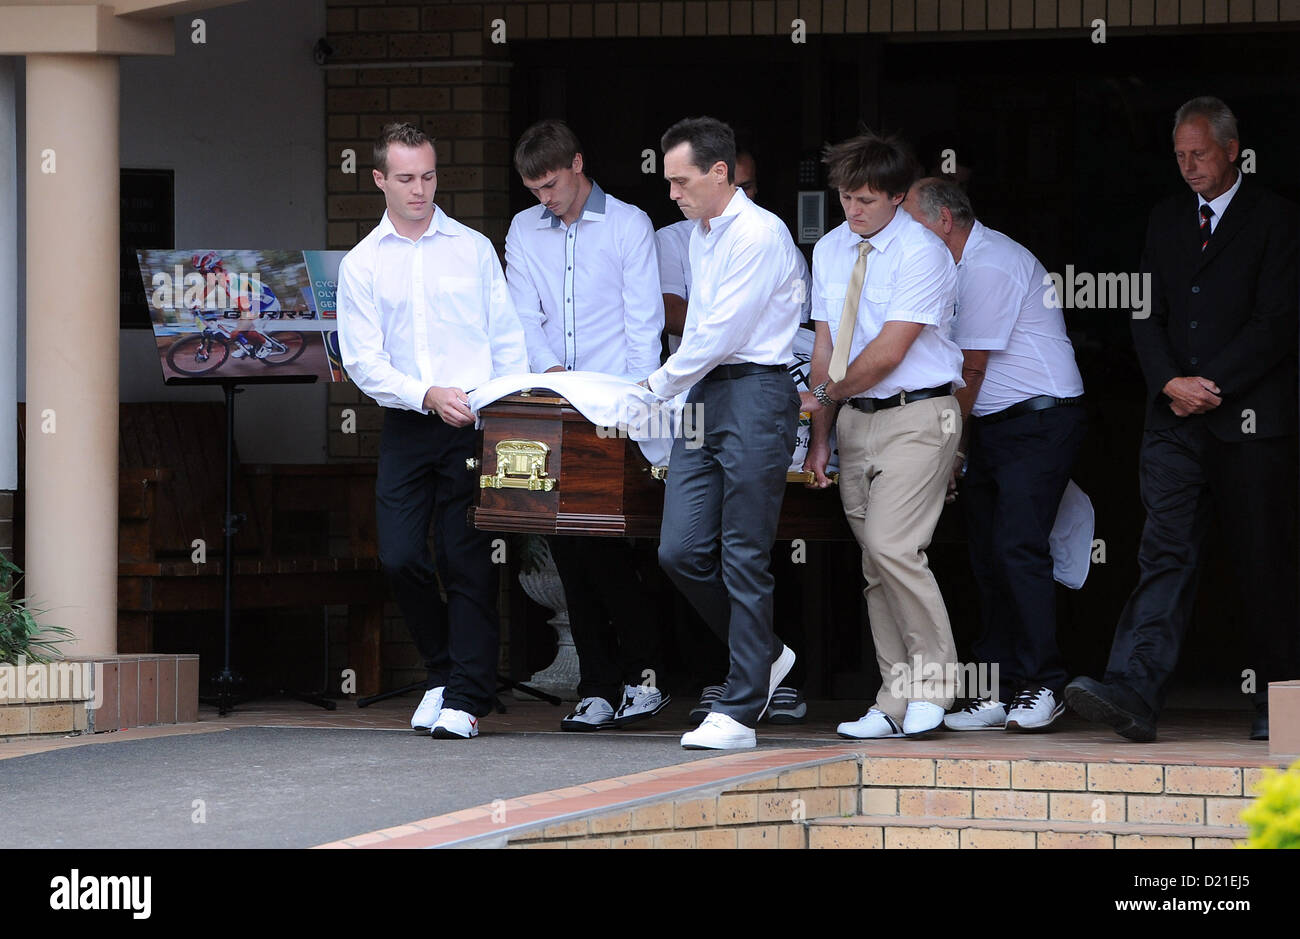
(877, 300)
(459, 302)
(832, 300)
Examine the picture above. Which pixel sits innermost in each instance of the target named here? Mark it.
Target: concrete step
(893, 831)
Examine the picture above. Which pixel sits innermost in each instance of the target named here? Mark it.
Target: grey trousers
(729, 490)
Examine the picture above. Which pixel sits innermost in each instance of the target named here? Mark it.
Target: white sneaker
(427, 713)
(719, 732)
(590, 714)
(979, 714)
(780, 668)
(1034, 709)
(639, 702)
(455, 725)
(873, 725)
(921, 718)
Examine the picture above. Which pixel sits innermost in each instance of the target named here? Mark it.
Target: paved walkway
(285, 774)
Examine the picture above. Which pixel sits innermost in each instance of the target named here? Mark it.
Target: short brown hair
(408, 135)
(885, 164)
(546, 146)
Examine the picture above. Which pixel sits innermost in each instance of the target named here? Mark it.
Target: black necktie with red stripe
(1206, 212)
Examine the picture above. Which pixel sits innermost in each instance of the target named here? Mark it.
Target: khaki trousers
(894, 471)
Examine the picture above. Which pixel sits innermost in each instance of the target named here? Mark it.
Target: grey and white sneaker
(787, 707)
(978, 714)
(426, 714)
(590, 714)
(710, 694)
(1034, 709)
(639, 702)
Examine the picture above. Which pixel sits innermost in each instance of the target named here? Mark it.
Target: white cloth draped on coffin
(604, 400)
(608, 401)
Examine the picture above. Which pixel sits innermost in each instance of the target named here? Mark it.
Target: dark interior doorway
(1069, 146)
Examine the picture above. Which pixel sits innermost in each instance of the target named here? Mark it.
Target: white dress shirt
(433, 311)
(588, 293)
(674, 244)
(1219, 205)
(910, 278)
(1006, 304)
(746, 294)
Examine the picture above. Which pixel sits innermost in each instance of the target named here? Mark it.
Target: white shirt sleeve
(361, 342)
(988, 308)
(818, 287)
(527, 302)
(926, 282)
(643, 301)
(752, 276)
(505, 332)
(672, 272)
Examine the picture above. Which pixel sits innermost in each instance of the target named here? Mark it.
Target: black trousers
(422, 476)
(1186, 474)
(610, 616)
(721, 509)
(1017, 473)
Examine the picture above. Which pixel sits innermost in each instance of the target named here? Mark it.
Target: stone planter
(37, 699)
(542, 584)
(96, 693)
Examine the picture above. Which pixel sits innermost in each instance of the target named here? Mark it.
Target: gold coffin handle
(521, 464)
(661, 473)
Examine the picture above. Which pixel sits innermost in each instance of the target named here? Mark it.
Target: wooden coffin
(544, 468)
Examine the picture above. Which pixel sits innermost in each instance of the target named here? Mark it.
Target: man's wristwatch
(820, 394)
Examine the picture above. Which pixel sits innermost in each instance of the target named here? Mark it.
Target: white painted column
(8, 275)
(72, 345)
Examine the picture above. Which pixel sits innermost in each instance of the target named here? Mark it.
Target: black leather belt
(740, 370)
(1028, 406)
(871, 405)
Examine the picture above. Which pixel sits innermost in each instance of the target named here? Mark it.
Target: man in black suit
(1219, 355)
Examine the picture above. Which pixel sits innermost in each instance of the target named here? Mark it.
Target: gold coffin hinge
(521, 464)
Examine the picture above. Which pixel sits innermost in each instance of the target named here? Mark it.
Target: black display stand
(228, 682)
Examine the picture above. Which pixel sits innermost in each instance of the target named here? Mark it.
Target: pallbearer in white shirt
(1026, 397)
(424, 316)
(740, 326)
(584, 277)
(883, 294)
(705, 655)
(674, 244)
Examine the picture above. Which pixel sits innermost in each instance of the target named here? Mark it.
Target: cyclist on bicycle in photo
(249, 342)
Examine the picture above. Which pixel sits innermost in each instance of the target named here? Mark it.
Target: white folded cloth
(1071, 538)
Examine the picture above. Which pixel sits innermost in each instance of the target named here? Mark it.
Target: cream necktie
(849, 316)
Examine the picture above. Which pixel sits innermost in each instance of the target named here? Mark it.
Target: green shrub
(1274, 816)
(20, 635)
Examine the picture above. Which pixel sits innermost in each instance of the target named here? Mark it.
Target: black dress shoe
(1259, 726)
(1108, 704)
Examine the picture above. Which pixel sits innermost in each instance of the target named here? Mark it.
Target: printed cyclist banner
(243, 314)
